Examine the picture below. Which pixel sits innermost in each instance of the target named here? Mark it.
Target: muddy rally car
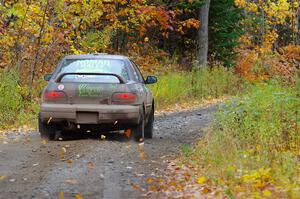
(96, 93)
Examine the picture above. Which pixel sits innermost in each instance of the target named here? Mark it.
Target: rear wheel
(149, 126)
(138, 131)
(47, 131)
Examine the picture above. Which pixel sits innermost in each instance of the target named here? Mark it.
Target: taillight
(54, 95)
(124, 98)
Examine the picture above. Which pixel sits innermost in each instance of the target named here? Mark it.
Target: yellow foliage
(268, 40)
(252, 7)
(263, 36)
(240, 3)
(267, 193)
(258, 179)
(201, 180)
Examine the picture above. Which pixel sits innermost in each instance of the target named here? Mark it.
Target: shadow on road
(109, 136)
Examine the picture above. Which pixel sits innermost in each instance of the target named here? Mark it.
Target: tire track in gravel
(109, 168)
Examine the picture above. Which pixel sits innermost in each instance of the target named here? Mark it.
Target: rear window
(113, 66)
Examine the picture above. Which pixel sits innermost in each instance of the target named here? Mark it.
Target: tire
(149, 126)
(139, 130)
(47, 131)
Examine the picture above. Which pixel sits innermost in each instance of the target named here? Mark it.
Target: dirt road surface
(91, 167)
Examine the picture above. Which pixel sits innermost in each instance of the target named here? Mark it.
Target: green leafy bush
(11, 99)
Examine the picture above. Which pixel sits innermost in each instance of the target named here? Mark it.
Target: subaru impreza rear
(96, 93)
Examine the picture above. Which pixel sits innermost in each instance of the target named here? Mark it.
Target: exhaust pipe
(68, 125)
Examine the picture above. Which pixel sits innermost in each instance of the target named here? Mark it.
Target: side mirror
(47, 77)
(151, 80)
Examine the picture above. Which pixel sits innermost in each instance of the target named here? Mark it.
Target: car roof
(96, 56)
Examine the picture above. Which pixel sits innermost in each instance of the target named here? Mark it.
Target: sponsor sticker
(61, 87)
(86, 90)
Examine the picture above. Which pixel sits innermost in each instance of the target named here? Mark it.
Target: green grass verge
(253, 148)
(186, 87)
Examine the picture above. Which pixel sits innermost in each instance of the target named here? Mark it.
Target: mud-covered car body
(99, 91)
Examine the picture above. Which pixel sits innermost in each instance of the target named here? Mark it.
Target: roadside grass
(196, 86)
(252, 150)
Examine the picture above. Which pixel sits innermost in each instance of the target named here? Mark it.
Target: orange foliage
(286, 63)
(245, 64)
(152, 60)
(255, 67)
(292, 53)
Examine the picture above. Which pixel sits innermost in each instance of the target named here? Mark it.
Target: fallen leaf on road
(61, 195)
(206, 190)
(71, 181)
(128, 133)
(62, 153)
(27, 140)
(142, 150)
(135, 186)
(128, 146)
(91, 165)
(69, 162)
(44, 142)
(201, 180)
(78, 196)
(64, 149)
(2, 178)
(103, 137)
(153, 188)
(149, 180)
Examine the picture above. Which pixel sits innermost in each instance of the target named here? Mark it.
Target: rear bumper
(91, 114)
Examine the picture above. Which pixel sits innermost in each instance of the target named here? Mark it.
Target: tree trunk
(203, 33)
(298, 25)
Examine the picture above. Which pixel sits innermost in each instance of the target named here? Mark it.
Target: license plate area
(87, 117)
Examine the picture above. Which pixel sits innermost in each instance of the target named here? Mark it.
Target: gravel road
(91, 167)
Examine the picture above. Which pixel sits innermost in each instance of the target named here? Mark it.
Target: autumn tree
(270, 25)
(36, 34)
